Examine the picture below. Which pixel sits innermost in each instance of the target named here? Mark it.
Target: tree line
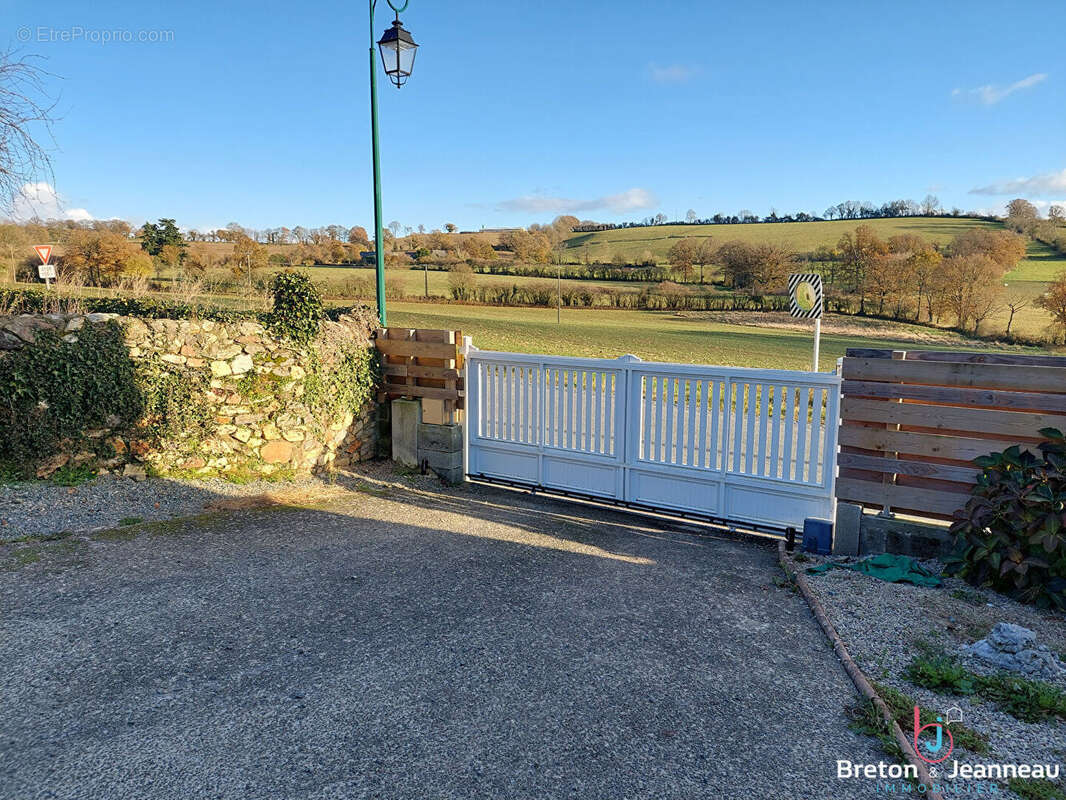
(847, 210)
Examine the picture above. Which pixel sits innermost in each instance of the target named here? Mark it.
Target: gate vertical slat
(505, 415)
(801, 434)
(671, 410)
(691, 398)
(575, 408)
(549, 420)
(764, 421)
(660, 423)
(749, 432)
(713, 399)
(588, 387)
(538, 404)
(700, 395)
(560, 407)
(775, 434)
(526, 377)
(490, 385)
(790, 400)
(813, 448)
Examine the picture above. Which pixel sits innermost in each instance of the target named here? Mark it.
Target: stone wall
(257, 409)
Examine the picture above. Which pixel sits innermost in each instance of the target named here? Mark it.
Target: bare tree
(22, 157)
(1015, 303)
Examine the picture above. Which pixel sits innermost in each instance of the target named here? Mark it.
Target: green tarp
(886, 567)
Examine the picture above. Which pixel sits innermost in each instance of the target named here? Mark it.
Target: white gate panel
(739, 444)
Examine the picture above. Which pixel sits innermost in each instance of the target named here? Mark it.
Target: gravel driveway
(425, 644)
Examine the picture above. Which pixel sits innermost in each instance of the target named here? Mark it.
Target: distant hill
(804, 237)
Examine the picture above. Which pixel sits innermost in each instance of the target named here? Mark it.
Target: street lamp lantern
(398, 58)
(397, 53)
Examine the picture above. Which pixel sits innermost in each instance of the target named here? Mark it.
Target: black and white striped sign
(805, 295)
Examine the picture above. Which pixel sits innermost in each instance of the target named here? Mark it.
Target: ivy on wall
(58, 389)
(346, 386)
(174, 404)
(297, 312)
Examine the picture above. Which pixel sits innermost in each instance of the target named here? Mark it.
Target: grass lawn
(1041, 263)
(652, 335)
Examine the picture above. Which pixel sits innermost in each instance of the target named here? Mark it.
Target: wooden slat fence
(426, 364)
(913, 421)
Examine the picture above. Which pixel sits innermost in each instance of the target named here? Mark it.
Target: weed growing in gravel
(785, 581)
(1036, 789)
(865, 718)
(940, 672)
(1028, 700)
(73, 476)
(130, 521)
(968, 596)
(1023, 698)
(902, 707)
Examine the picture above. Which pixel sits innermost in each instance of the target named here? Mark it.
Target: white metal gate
(755, 446)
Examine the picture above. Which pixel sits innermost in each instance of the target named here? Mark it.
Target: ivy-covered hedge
(57, 389)
(38, 301)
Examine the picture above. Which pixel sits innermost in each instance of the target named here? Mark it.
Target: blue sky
(258, 112)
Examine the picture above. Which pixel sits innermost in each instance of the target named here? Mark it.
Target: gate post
(471, 406)
(630, 441)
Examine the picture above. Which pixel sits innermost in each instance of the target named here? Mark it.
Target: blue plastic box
(818, 536)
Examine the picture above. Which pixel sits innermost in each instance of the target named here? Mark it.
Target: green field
(414, 280)
(652, 335)
(803, 237)
(1027, 281)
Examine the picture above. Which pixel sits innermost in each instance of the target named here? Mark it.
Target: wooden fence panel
(913, 421)
(426, 364)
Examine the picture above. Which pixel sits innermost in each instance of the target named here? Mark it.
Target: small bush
(1012, 534)
(297, 312)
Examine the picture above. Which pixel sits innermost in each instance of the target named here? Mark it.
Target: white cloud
(673, 73)
(629, 200)
(1051, 183)
(42, 201)
(991, 94)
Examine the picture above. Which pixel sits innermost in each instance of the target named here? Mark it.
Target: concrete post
(406, 418)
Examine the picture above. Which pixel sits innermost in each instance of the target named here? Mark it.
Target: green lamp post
(398, 58)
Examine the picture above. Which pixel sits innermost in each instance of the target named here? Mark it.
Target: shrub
(297, 310)
(1012, 534)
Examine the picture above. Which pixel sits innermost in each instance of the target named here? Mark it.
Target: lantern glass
(397, 53)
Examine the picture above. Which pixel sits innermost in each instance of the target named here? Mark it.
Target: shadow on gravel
(403, 643)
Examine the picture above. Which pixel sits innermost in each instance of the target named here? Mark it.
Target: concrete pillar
(846, 531)
(441, 448)
(406, 419)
